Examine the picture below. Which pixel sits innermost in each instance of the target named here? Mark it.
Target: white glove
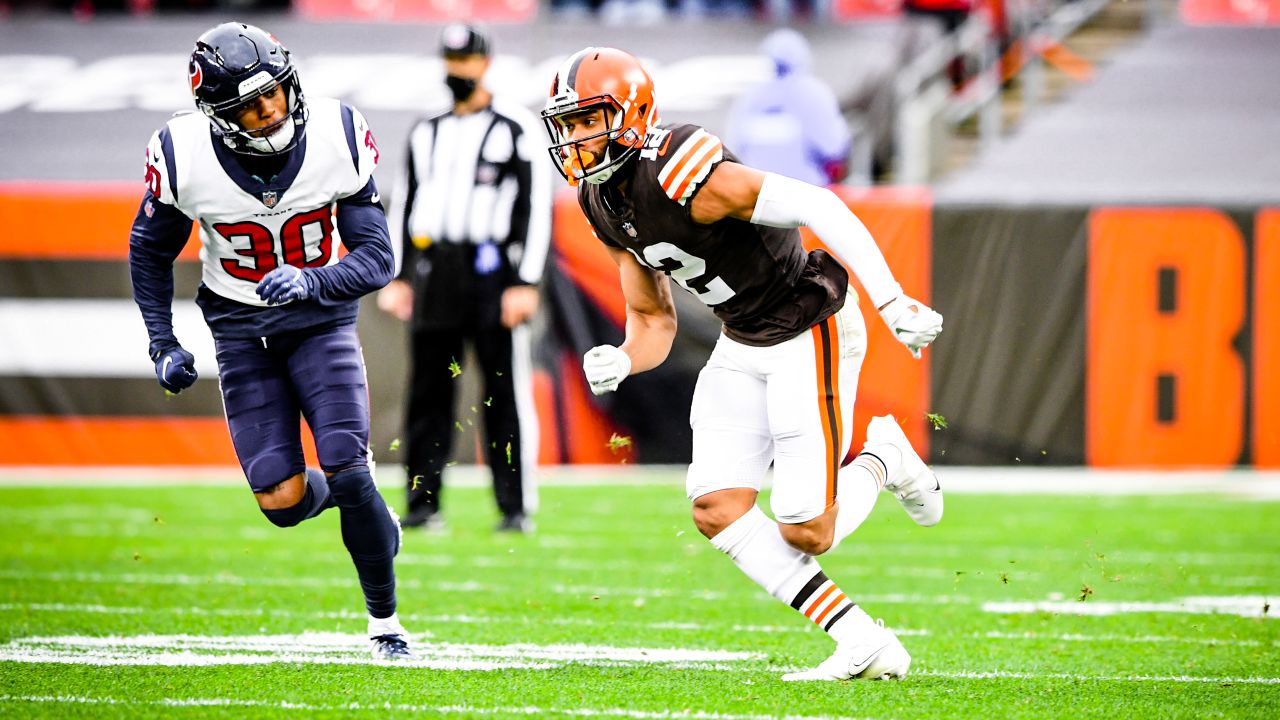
(912, 322)
(605, 367)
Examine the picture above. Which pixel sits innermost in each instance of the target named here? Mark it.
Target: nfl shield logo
(269, 198)
(630, 229)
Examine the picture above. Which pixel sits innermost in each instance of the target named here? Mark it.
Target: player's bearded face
(585, 130)
(264, 113)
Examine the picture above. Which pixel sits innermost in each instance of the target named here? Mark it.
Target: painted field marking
(1251, 606)
(184, 579)
(346, 649)
(1031, 554)
(417, 618)
(963, 556)
(341, 649)
(1244, 483)
(1002, 675)
(435, 620)
(130, 521)
(1243, 606)
(1123, 639)
(383, 708)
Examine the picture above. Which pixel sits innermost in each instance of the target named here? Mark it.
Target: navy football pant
(267, 385)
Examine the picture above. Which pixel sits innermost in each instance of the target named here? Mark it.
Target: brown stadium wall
(1104, 336)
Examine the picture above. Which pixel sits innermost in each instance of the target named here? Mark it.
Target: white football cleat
(910, 480)
(878, 656)
(388, 639)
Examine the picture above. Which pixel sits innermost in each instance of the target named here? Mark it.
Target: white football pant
(790, 404)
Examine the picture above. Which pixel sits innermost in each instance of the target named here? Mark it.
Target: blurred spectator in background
(86, 9)
(475, 224)
(784, 10)
(639, 12)
(648, 12)
(791, 124)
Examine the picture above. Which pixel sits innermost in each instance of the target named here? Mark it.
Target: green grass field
(182, 601)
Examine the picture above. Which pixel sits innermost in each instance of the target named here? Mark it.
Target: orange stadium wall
(1101, 336)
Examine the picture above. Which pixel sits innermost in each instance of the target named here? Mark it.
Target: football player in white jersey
(274, 181)
(673, 202)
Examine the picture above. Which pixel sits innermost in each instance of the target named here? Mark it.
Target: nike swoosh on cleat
(862, 664)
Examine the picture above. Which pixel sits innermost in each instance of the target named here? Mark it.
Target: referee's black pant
(432, 426)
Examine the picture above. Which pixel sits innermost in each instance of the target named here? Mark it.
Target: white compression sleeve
(787, 203)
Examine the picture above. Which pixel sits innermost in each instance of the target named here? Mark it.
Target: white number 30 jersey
(248, 228)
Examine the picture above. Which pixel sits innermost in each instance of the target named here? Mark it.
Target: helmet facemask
(278, 137)
(574, 161)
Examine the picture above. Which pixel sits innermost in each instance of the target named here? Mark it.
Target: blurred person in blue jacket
(791, 125)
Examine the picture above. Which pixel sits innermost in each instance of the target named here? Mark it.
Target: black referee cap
(460, 39)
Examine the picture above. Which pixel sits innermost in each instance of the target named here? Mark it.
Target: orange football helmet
(598, 77)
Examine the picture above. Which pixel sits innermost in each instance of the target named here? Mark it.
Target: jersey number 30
(687, 270)
(261, 253)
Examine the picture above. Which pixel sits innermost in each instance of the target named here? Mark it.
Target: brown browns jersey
(758, 280)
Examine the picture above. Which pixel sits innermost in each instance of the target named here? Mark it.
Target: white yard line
(346, 649)
(1002, 675)
(592, 591)
(1250, 606)
(116, 521)
(325, 582)
(1014, 480)
(420, 624)
(1016, 556)
(1241, 605)
(1122, 639)
(384, 708)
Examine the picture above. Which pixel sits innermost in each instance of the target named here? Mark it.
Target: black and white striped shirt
(470, 179)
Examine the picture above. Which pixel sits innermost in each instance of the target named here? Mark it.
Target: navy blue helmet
(233, 65)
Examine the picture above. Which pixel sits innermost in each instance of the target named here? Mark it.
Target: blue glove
(176, 369)
(286, 284)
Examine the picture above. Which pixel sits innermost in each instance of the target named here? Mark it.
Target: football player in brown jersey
(671, 203)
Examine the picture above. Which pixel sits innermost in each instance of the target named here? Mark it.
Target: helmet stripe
(571, 77)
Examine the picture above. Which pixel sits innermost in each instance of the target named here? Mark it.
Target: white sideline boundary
(327, 648)
(422, 622)
(1242, 482)
(1249, 606)
(430, 710)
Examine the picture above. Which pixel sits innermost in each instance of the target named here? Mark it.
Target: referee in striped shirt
(474, 217)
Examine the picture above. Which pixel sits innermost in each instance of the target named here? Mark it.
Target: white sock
(756, 545)
(386, 626)
(859, 486)
(889, 455)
